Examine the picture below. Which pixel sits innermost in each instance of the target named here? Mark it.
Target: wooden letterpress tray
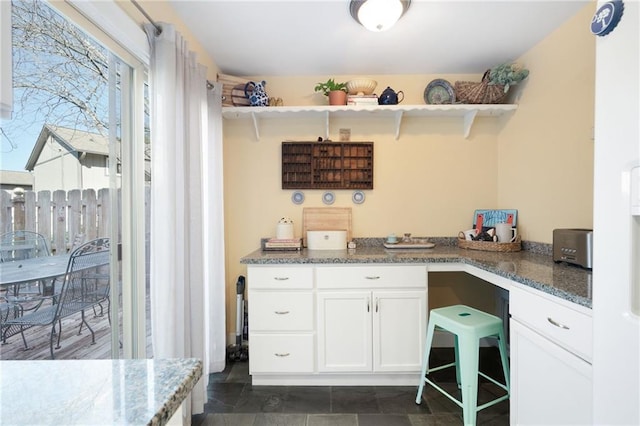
(327, 165)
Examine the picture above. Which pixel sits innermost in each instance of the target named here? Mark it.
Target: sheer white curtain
(187, 253)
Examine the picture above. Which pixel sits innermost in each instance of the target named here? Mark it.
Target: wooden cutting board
(326, 219)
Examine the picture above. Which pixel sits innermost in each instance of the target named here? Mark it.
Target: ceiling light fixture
(378, 15)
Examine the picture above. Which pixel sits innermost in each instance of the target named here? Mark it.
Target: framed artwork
(487, 218)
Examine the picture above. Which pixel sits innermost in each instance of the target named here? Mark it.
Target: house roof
(16, 178)
(73, 140)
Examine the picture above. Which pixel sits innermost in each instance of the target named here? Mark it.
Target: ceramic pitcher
(256, 93)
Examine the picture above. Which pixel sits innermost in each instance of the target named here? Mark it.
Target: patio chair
(85, 285)
(20, 245)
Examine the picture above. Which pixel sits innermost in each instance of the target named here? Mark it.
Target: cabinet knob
(373, 277)
(280, 278)
(281, 312)
(282, 355)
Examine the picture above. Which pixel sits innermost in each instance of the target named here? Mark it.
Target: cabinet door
(399, 329)
(344, 331)
(549, 386)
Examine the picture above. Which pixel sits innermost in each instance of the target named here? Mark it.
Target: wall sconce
(378, 15)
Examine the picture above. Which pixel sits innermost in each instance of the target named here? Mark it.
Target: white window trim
(6, 62)
(114, 21)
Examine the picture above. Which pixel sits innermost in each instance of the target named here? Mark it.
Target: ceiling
(319, 37)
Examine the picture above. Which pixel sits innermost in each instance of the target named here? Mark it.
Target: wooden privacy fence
(62, 216)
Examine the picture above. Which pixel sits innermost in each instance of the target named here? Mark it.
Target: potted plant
(507, 75)
(337, 92)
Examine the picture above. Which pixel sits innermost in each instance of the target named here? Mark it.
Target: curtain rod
(149, 18)
(158, 28)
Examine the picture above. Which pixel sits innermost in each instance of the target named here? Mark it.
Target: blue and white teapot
(256, 94)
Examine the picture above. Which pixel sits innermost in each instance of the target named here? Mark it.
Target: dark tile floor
(233, 401)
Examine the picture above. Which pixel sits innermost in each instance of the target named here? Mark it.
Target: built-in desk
(370, 315)
(95, 392)
(358, 316)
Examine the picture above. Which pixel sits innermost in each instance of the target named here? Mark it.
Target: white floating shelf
(467, 112)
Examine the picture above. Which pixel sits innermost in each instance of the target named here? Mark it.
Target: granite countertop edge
(532, 267)
(96, 392)
(181, 392)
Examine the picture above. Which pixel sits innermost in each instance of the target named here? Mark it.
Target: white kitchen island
(95, 392)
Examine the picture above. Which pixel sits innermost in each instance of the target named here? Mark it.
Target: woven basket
(469, 92)
(233, 90)
(490, 245)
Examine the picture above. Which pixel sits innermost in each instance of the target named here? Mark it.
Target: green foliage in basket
(507, 75)
(330, 86)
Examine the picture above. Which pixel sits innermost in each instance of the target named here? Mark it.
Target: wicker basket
(469, 92)
(490, 245)
(233, 90)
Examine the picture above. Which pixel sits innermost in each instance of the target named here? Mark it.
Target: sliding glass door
(75, 162)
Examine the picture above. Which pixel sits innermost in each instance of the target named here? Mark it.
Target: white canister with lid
(284, 229)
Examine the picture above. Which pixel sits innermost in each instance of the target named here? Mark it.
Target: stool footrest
(494, 381)
(444, 392)
(492, 402)
(442, 367)
(459, 403)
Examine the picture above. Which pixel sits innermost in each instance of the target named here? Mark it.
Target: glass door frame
(108, 24)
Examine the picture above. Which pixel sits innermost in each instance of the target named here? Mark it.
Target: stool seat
(468, 325)
(466, 319)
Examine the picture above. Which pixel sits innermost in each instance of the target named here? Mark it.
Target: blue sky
(23, 139)
(60, 78)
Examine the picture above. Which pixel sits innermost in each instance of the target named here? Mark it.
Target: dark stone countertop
(530, 267)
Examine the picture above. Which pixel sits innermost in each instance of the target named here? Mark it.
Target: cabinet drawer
(566, 327)
(281, 353)
(371, 276)
(281, 311)
(280, 277)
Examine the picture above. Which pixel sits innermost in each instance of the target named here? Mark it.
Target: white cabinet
(344, 331)
(551, 376)
(281, 329)
(363, 329)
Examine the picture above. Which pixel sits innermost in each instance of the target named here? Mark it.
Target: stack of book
(282, 244)
(362, 100)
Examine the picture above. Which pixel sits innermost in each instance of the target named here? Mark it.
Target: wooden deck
(73, 346)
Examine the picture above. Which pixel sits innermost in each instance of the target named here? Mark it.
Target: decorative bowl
(361, 86)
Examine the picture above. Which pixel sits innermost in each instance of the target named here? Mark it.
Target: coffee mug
(468, 234)
(392, 238)
(505, 232)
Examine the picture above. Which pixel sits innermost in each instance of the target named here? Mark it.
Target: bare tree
(60, 74)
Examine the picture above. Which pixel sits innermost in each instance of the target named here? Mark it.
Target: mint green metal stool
(468, 325)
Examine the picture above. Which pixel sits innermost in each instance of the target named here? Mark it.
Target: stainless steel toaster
(573, 246)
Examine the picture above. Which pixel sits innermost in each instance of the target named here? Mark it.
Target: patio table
(34, 269)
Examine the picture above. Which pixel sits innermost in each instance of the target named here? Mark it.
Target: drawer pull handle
(372, 277)
(281, 312)
(282, 355)
(280, 278)
(557, 324)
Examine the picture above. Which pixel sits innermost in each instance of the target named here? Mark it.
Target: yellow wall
(545, 151)
(538, 160)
